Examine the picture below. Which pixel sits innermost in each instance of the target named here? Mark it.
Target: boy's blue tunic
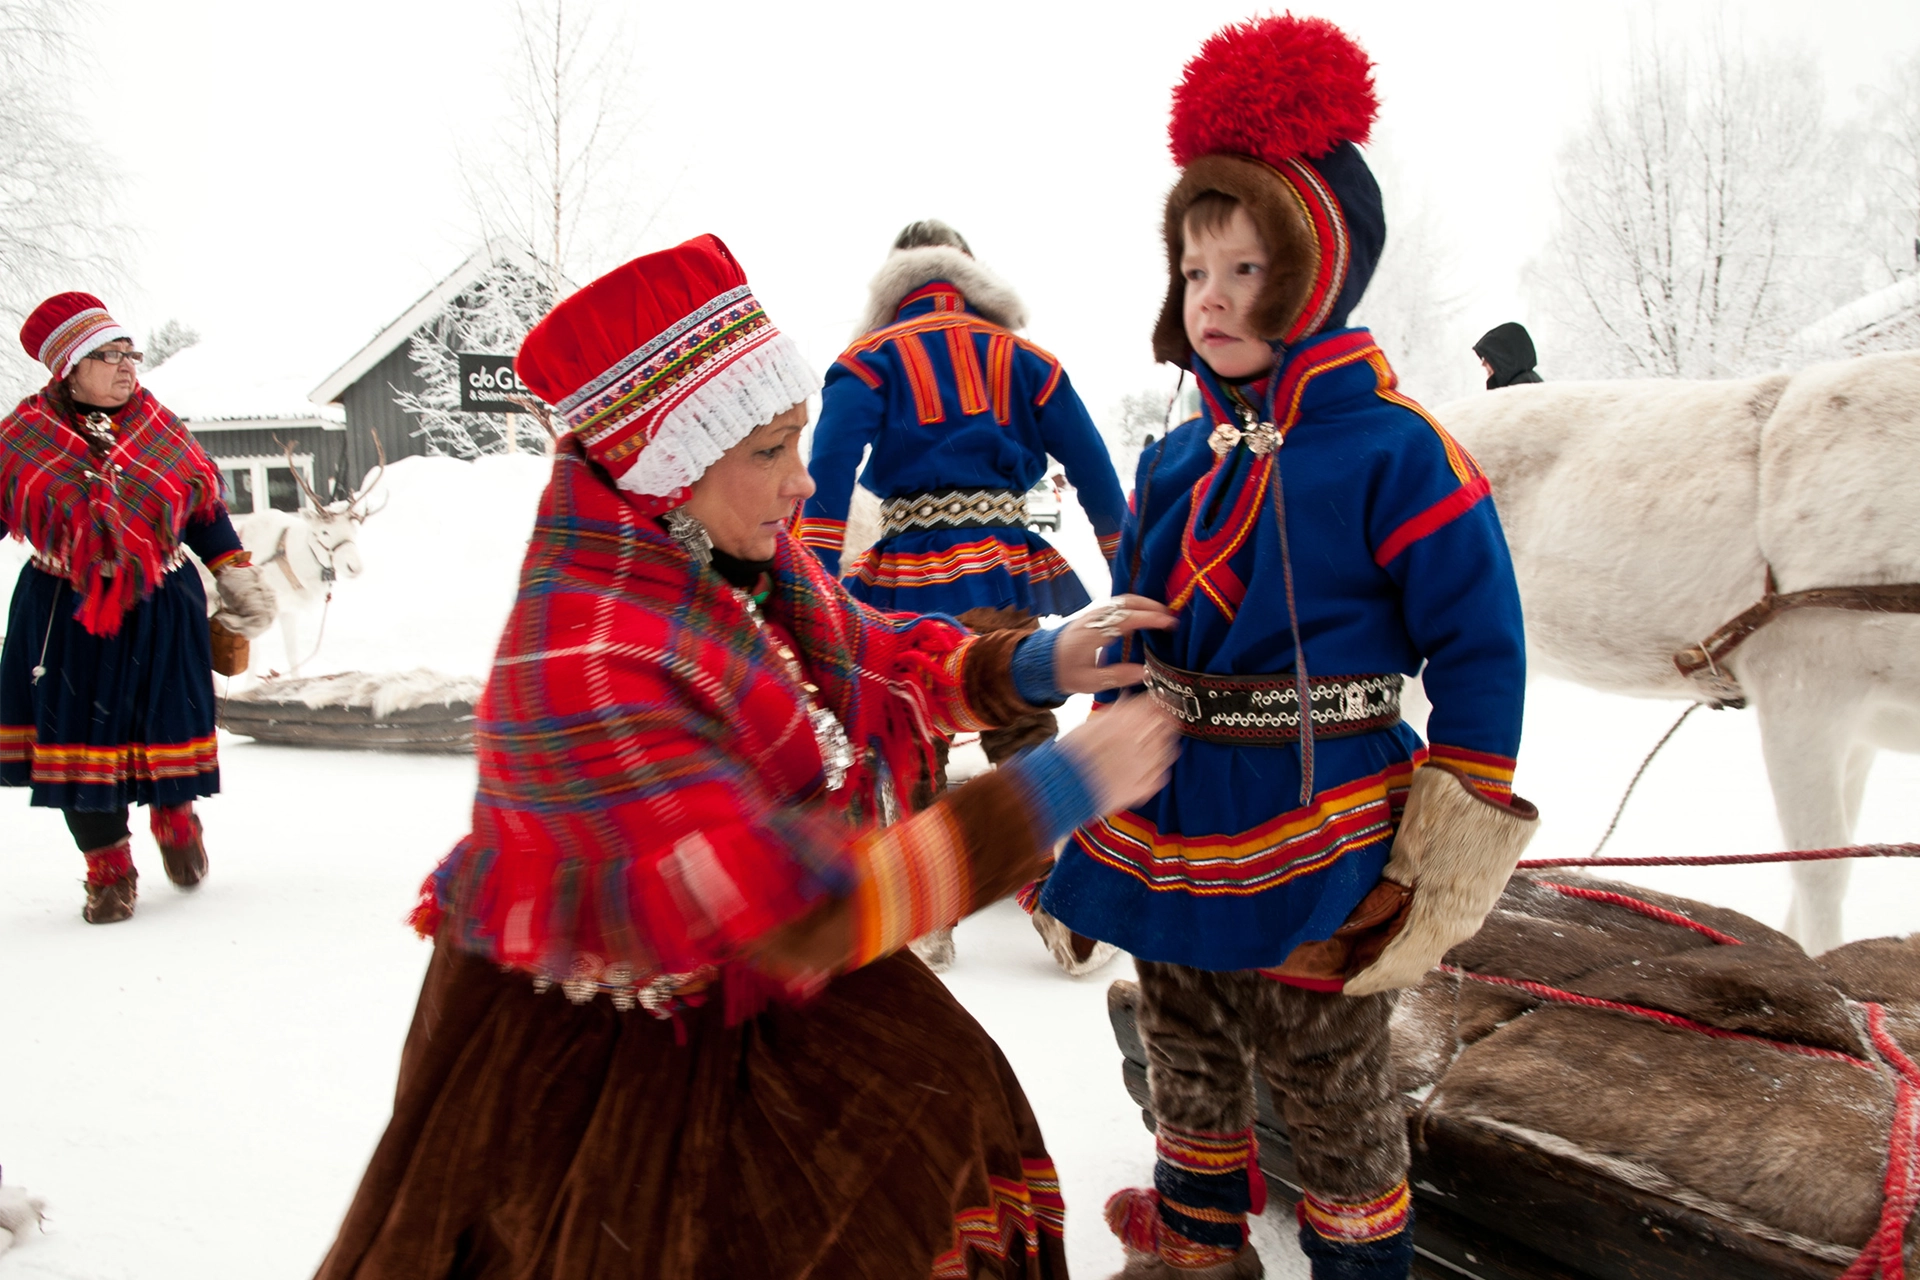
(1398, 560)
(949, 400)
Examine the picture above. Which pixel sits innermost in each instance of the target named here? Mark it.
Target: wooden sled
(1504, 1196)
(416, 712)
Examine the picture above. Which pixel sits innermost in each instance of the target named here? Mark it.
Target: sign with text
(486, 382)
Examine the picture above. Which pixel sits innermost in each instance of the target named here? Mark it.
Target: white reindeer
(1643, 515)
(304, 553)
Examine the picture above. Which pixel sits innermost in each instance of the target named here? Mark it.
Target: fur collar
(907, 269)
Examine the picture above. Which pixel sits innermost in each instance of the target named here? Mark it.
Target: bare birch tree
(55, 230)
(1699, 210)
(553, 177)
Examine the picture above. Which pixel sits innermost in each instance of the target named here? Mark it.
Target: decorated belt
(1264, 711)
(953, 509)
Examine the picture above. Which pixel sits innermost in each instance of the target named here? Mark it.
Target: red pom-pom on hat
(1276, 88)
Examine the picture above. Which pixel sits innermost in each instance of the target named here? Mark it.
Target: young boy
(1318, 535)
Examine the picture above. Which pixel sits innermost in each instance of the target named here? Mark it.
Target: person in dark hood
(1506, 353)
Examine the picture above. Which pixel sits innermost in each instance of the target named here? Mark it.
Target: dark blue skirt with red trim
(952, 570)
(113, 720)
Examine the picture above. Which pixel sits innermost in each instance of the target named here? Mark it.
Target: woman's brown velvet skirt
(875, 1133)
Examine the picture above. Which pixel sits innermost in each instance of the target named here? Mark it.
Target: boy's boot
(1365, 1240)
(176, 829)
(1075, 953)
(1192, 1224)
(111, 882)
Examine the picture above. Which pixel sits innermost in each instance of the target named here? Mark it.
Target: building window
(264, 484)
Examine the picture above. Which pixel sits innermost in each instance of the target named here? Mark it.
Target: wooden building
(245, 408)
(365, 388)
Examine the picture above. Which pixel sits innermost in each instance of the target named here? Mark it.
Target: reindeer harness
(1709, 653)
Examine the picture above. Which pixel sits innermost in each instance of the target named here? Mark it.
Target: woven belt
(1264, 711)
(953, 509)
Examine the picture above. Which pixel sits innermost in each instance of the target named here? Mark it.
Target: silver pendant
(690, 534)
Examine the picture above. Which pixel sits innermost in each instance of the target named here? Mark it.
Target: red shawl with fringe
(650, 799)
(112, 528)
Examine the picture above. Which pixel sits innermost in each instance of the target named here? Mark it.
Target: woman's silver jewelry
(691, 534)
(1106, 619)
(836, 749)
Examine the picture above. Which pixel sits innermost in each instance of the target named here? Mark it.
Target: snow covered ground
(196, 1091)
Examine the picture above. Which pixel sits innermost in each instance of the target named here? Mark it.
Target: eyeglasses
(113, 355)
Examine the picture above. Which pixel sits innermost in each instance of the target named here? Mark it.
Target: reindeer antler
(380, 469)
(299, 476)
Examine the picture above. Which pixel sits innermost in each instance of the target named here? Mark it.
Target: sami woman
(106, 681)
(669, 1028)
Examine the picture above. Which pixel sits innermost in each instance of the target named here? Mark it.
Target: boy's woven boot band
(1358, 1240)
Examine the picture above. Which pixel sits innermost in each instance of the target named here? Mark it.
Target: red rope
(1638, 907)
(1735, 859)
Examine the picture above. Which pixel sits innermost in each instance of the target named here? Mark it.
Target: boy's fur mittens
(1455, 849)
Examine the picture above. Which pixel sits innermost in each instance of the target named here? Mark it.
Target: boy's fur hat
(1268, 113)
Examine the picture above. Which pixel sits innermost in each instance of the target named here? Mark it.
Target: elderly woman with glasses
(106, 680)
(671, 1028)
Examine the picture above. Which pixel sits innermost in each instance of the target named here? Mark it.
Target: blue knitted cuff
(1057, 796)
(1032, 669)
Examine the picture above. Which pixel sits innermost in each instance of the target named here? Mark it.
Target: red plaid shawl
(650, 790)
(115, 537)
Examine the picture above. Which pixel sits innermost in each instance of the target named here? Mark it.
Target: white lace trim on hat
(729, 405)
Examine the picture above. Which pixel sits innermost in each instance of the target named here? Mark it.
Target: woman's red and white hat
(662, 365)
(66, 327)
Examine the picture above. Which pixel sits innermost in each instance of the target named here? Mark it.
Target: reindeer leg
(1808, 756)
(290, 637)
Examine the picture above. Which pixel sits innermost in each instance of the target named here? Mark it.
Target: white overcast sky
(290, 170)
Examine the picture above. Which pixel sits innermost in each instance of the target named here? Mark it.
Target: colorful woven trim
(60, 764)
(172, 825)
(954, 509)
(1109, 545)
(1208, 1183)
(1491, 775)
(821, 534)
(950, 564)
(1296, 843)
(663, 414)
(230, 560)
(1322, 209)
(87, 331)
(1020, 1209)
(1362, 1223)
(915, 881)
(109, 865)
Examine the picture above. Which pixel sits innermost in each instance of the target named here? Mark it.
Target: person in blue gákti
(961, 415)
(1317, 535)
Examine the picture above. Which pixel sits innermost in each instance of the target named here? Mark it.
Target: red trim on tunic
(1432, 520)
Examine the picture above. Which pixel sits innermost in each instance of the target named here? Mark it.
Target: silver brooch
(1262, 438)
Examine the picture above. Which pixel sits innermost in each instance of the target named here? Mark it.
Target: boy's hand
(1076, 655)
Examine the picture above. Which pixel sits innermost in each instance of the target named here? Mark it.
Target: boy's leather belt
(1264, 711)
(953, 509)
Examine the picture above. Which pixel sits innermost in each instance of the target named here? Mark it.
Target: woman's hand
(1125, 752)
(1076, 654)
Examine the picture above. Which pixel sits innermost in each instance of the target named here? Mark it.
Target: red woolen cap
(66, 327)
(663, 364)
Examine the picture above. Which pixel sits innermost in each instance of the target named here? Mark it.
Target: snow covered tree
(552, 178)
(491, 315)
(169, 340)
(1136, 419)
(1892, 189)
(55, 227)
(1701, 209)
(1413, 304)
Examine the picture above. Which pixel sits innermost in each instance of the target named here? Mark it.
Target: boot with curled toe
(176, 829)
(1157, 1252)
(111, 884)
